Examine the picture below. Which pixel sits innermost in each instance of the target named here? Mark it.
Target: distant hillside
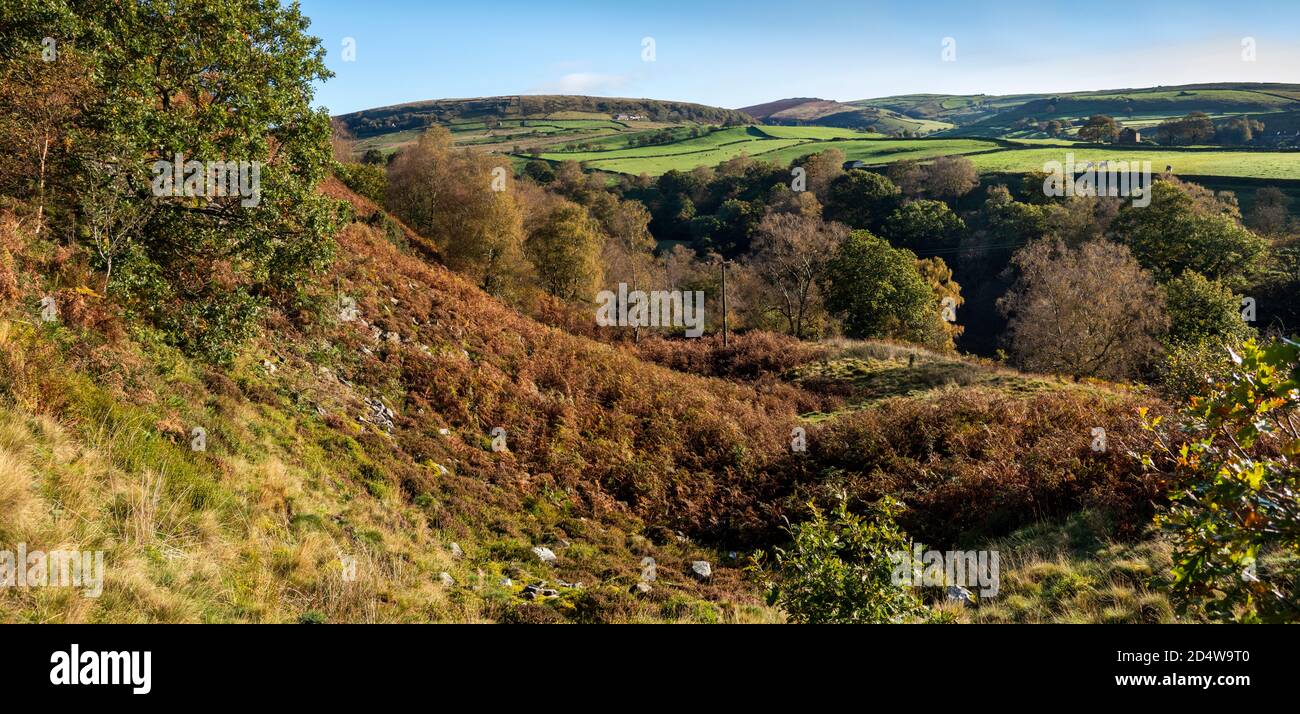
(420, 115)
(805, 111)
(762, 112)
(990, 115)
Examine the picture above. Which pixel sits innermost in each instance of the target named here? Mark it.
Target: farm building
(1129, 135)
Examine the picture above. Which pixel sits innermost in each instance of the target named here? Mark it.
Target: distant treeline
(419, 115)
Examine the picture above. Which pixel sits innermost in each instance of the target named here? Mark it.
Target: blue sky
(734, 54)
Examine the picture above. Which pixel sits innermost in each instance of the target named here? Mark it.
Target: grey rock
(446, 579)
(641, 588)
(456, 552)
(956, 593)
(546, 555)
(701, 569)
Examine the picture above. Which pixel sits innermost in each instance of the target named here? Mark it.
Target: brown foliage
(978, 463)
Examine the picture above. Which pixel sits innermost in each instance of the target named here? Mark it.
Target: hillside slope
(431, 439)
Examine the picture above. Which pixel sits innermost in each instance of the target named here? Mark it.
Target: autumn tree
(947, 295)
(565, 250)
(790, 254)
(41, 103)
(463, 202)
(822, 168)
(951, 177)
(1195, 128)
(1099, 128)
(1090, 311)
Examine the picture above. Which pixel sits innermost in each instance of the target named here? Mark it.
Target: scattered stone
(546, 555)
(446, 579)
(641, 588)
(701, 569)
(393, 337)
(269, 366)
(532, 592)
(444, 432)
(507, 583)
(957, 593)
(456, 552)
(571, 586)
(380, 414)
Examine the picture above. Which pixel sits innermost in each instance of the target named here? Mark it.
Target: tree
(924, 224)
(1090, 311)
(840, 569)
(565, 250)
(539, 171)
(1195, 128)
(861, 199)
(1271, 214)
(41, 104)
(1238, 130)
(878, 292)
(1233, 517)
(908, 175)
(1189, 228)
(947, 295)
(206, 264)
(1099, 128)
(951, 177)
(790, 254)
(822, 169)
(1205, 324)
(1203, 311)
(447, 195)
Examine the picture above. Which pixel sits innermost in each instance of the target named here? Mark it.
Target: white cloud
(583, 83)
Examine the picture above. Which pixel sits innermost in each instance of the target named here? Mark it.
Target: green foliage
(878, 292)
(1237, 504)
(539, 171)
(861, 199)
(1203, 311)
(209, 85)
(838, 569)
(923, 224)
(1186, 228)
(367, 179)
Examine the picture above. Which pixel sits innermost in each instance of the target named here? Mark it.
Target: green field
(1252, 164)
(780, 145)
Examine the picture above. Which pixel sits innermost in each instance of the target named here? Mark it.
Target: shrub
(1236, 502)
(838, 569)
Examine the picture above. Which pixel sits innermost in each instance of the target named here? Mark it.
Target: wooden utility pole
(724, 302)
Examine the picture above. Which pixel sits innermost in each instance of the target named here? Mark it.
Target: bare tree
(1087, 311)
(790, 255)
